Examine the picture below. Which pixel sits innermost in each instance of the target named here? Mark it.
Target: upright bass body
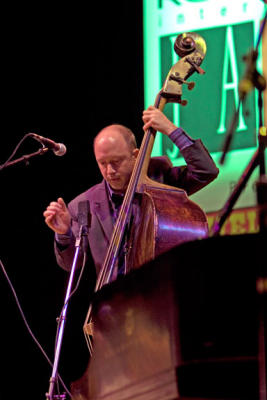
(166, 218)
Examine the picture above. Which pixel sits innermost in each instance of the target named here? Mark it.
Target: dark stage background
(67, 71)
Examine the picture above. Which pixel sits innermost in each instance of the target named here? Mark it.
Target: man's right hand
(57, 216)
(154, 118)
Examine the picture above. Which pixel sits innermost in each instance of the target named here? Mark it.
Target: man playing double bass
(115, 152)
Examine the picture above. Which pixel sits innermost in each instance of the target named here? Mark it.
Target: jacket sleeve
(64, 245)
(198, 172)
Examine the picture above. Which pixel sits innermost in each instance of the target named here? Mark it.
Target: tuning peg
(176, 77)
(197, 68)
(190, 85)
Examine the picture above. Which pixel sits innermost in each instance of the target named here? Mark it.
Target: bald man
(115, 152)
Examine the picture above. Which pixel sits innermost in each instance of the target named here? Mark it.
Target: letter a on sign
(230, 64)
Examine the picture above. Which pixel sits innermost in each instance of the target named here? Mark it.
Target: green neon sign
(230, 30)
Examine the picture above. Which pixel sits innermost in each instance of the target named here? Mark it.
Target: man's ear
(135, 153)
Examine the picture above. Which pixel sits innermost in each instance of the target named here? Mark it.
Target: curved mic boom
(59, 149)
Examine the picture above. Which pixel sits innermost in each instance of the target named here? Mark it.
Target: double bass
(166, 217)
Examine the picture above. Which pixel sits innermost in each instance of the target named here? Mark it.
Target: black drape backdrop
(67, 71)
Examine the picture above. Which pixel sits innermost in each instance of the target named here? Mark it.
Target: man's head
(115, 153)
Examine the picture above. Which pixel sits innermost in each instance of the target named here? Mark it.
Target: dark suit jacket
(199, 171)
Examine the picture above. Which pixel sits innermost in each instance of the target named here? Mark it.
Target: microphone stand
(81, 243)
(25, 158)
(252, 79)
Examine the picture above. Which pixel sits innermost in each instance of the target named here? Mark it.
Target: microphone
(84, 221)
(59, 149)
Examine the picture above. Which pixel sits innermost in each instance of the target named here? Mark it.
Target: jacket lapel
(101, 209)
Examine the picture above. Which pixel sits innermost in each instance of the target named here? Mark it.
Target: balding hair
(127, 134)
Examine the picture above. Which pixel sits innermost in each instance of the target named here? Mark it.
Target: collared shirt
(115, 201)
(181, 139)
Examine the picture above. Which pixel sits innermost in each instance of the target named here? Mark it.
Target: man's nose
(110, 169)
